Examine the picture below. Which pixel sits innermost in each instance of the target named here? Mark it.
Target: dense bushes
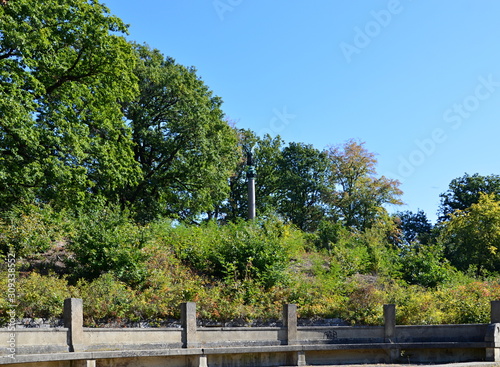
(238, 251)
(240, 272)
(106, 240)
(31, 229)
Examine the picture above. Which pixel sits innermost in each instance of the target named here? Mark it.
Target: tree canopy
(465, 191)
(356, 194)
(84, 114)
(302, 185)
(472, 236)
(64, 68)
(415, 227)
(185, 149)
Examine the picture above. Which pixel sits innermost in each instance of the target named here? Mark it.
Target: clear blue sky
(418, 81)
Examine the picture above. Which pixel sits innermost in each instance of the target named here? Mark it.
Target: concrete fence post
(390, 330)
(290, 323)
(495, 312)
(188, 322)
(83, 363)
(493, 333)
(73, 320)
(389, 323)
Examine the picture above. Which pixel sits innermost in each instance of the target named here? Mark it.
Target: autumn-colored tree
(357, 196)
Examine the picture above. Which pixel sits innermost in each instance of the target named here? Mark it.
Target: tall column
(251, 197)
(251, 173)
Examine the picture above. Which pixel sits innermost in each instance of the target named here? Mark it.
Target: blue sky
(417, 80)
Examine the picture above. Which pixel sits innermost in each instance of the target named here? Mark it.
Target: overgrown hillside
(123, 182)
(238, 273)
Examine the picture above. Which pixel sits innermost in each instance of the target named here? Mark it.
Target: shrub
(31, 229)
(416, 305)
(425, 265)
(468, 302)
(238, 251)
(107, 241)
(365, 300)
(106, 299)
(42, 296)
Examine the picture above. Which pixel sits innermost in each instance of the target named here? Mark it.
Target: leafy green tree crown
(64, 68)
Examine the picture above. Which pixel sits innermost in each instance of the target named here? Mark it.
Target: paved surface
(463, 364)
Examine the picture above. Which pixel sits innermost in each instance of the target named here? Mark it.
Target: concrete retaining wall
(289, 345)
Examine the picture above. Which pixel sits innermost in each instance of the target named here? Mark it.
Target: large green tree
(303, 178)
(64, 68)
(186, 150)
(472, 236)
(356, 195)
(465, 191)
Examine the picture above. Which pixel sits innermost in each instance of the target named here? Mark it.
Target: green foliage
(233, 274)
(328, 234)
(472, 237)
(417, 305)
(303, 171)
(383, 255)
(356, 194)
(32, 229)
(41, 296)
(353, 252)
(468, 301)
(106, 240)
(351, 256)
(465, 191)
(107, 299)
(415, 227)
(185, 149)
(425, 265)
(364, 302)
(238, 251)
(64, 65)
